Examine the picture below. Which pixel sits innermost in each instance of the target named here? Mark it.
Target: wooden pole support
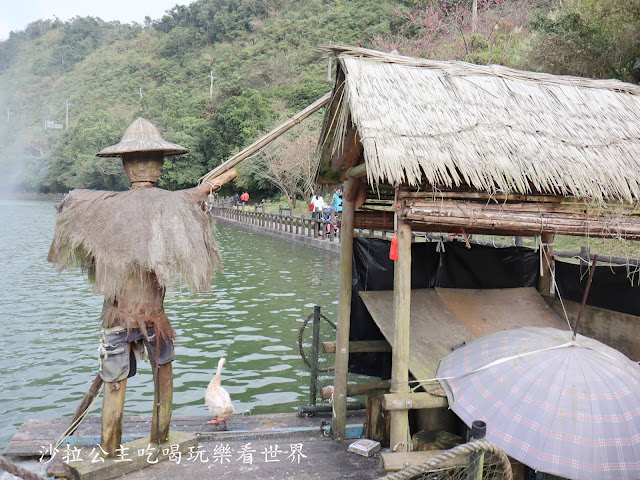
(112, 416)
(358, 171)
(214, 184)
(354, 389)
(161, 417)
(94, 389)
(339, 417)
(364, 346)
(266, 139)
(412, 401)
(400, 438)
(545, 280)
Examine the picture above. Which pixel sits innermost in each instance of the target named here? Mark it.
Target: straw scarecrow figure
(135, 243)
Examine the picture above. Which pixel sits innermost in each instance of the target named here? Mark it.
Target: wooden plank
(36, 434)
(393, 462)
(492, 310)
(615, 329)
(364, 346)
(132, 456)
(434, 328)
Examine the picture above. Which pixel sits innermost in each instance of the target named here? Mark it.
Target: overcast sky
(16, 14)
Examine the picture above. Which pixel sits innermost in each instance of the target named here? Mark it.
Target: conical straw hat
(142, 136)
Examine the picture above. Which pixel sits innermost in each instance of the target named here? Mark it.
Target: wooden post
(400, 438)
(545, 281)
(112, 415)
(339, 417)
(162, 399)
(161, 417)
(315, 345)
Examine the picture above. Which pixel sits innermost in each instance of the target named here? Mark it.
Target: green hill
(261, 53)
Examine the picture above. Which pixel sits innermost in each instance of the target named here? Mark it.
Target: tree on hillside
(590, 38)
(446, 29)
(288, 163)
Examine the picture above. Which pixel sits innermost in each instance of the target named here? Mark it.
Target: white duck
(217, 398)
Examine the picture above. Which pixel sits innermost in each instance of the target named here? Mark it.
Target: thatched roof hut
(491, 128)
(450, 147)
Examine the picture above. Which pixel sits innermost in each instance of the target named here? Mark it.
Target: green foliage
(592, 38)
(262, 54)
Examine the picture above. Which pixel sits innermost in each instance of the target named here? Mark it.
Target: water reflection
(49, 324)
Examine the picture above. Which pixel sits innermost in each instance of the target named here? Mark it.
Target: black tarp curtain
(452, 265)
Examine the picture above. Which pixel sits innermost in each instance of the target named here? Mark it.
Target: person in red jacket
(244, 198)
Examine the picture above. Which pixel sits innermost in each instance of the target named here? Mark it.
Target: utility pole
(211, 84)
(66, 122)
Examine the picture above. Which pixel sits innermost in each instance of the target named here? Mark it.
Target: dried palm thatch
(142, 136)
(130, 234)
(491, 128)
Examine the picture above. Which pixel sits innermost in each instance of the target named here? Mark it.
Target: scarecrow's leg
(162, 401)
(112, 412)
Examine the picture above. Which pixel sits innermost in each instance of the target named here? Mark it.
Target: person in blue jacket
(336, 200)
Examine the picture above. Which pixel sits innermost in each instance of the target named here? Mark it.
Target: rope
(19, 471)
(466, 448)
(300, 341)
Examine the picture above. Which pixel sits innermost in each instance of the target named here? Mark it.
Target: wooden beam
(354, 389)
(400, 436)
(473, 195)
(214, 184)
(521, 218)
(393, 462)
(132, 456)
(358, 171)
(94, 389)
(365, 346)
(266, 139)
(339, 416)
(412, 401)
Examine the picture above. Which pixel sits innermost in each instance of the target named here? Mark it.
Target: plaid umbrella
(569, 408)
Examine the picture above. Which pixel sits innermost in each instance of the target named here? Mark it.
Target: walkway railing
(283, 221)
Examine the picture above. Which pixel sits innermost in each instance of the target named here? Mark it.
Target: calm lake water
(49, 325)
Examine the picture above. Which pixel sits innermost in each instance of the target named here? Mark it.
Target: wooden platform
(272, 442)
(443, 318)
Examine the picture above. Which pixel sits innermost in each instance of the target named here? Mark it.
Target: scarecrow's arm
(216, 183)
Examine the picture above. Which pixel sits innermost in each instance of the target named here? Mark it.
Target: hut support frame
(339, 419)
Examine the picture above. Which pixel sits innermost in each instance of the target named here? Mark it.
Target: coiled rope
(466, 448)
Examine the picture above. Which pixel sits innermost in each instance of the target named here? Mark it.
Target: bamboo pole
(400, 437)
(266, 139)
(546, 250)
(339, 417)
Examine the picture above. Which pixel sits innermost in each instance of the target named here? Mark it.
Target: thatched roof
(491, 128)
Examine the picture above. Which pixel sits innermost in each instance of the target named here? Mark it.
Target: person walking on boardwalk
(336, 200)
(244, 198)
(318, 205)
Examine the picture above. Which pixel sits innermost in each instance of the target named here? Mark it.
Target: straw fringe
(493, 128)
(147, 230)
